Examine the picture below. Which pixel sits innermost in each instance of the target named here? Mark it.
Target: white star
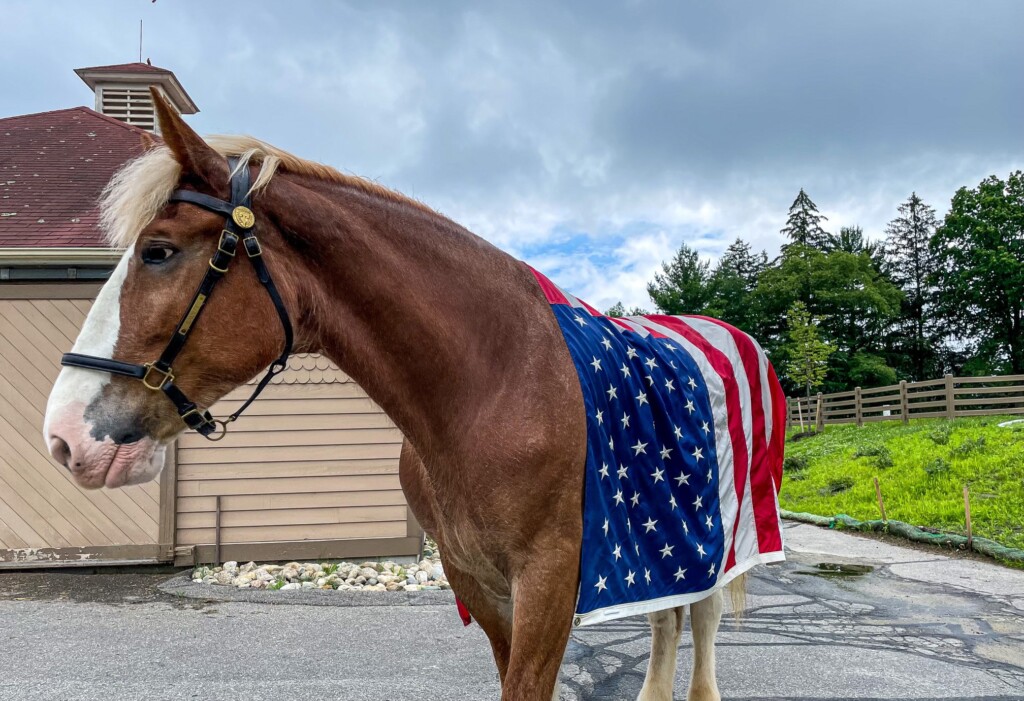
(599, 416)
(611, 443)
(651, 363)
(665, 452)
(596, 364)
(612, 392)
(680, 574)
(704, 427)
(636, 547)
(700, 550)
(672, 364)
(606, 528)
(579, 320)
(649, 524)
(682, 479)
(709, 476)
(657, 475)
(642, 398)
(650, 380)
(617, 552)
(698, 453)
(672, 502)
(601, 586)
(625, 370)
(670, 385)
(618, 498)
(667, 551)
(603, 471)
(670, 346)
(686, 529)
(647, 575)
(630, 352)
(693, 385)
(606, 343)
(690, 407)
(622, 470)
(635, 499)
(629, 578)
(678, 432)
(625, 420)
(711, 572)
(639, 447)
(629, 525)
(698, 502)
(709, 521)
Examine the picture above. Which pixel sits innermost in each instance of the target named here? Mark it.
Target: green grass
(922, 468)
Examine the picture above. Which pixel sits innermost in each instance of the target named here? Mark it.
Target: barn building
(311, 471)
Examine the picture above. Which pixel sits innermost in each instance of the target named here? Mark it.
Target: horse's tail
(738, 596)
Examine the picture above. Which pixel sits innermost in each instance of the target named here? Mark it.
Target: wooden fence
(948, 397)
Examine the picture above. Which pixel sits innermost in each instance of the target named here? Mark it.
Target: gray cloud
(607, 131)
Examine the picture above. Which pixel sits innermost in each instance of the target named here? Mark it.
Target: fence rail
(948, 397)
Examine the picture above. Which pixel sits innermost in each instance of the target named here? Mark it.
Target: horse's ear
(147, 141)
(195, 156)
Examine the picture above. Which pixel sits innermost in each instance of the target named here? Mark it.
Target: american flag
(685, 424)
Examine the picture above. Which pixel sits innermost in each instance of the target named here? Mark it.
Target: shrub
(880, 453)
(937, 466)
(940, 435)
(968, 446)
(795, 463)
(836, 486)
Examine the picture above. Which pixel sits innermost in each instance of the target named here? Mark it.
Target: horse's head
(110, 429)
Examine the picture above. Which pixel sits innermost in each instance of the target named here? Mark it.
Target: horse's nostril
(61, 451)
(129, 436)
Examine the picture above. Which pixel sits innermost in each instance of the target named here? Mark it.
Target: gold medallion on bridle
(243, 217)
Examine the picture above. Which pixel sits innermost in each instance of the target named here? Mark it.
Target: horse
(451, 336)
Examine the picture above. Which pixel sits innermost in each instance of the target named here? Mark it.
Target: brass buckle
(219, 270)
(257, 251)
(220, 244)
(168, 376)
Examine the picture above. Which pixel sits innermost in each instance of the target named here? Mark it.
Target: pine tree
(803, 226)
(910, 263)
(732, 284)
(682, 286)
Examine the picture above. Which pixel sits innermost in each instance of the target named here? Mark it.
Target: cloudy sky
(588, 138)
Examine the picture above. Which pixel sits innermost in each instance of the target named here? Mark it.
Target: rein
(158, 375)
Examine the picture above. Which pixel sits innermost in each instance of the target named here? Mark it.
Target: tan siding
(314, 459)
(40, 506)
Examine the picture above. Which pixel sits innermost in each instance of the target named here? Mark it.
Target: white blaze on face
(69, 436)
(97, 337)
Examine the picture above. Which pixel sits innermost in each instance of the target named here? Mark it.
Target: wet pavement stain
(837, 569)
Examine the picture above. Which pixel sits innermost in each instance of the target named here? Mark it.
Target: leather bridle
(158, 375)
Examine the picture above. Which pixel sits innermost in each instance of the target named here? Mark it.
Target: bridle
(158, 375)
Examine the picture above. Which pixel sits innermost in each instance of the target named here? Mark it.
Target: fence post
(789, 411)
(819, 419)
(857, 408)
(904, 402)
(950, 400)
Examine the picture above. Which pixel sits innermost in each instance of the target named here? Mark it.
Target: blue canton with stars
(652, 528)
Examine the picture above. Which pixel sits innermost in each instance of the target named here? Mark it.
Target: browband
(238, 226)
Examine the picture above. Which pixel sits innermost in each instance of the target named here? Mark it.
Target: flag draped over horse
(685, 423)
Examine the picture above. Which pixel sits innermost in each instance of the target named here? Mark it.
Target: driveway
(902, 623)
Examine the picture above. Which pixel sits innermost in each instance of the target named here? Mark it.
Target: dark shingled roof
(53, 166)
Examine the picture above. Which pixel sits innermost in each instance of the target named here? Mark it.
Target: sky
(587, 138)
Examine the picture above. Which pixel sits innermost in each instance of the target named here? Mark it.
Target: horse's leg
(705, 616)
(544, 603)
(493, 615)
(666, 627)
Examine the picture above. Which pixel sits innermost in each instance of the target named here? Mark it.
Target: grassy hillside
(922, 468)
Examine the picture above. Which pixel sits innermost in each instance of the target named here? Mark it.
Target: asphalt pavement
(845, 617)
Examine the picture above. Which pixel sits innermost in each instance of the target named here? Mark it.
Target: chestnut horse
(451, 336)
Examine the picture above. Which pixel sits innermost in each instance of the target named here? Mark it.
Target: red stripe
(762, 495)
(551, 291)
(777, 446)
(734, 413)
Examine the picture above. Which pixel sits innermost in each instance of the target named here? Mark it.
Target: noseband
(158, 375)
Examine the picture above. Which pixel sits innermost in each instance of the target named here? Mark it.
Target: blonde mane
(142, 187)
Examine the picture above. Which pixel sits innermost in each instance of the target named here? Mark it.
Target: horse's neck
(432, 321)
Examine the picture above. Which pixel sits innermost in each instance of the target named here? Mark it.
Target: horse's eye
(157, 254)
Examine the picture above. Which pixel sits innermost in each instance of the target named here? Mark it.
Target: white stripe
(727, 503)
(769, 428)
(720, 338)
(97, 337)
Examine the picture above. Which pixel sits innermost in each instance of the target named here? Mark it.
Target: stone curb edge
(183, 586)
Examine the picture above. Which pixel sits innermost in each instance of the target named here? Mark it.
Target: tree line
(837, 310)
